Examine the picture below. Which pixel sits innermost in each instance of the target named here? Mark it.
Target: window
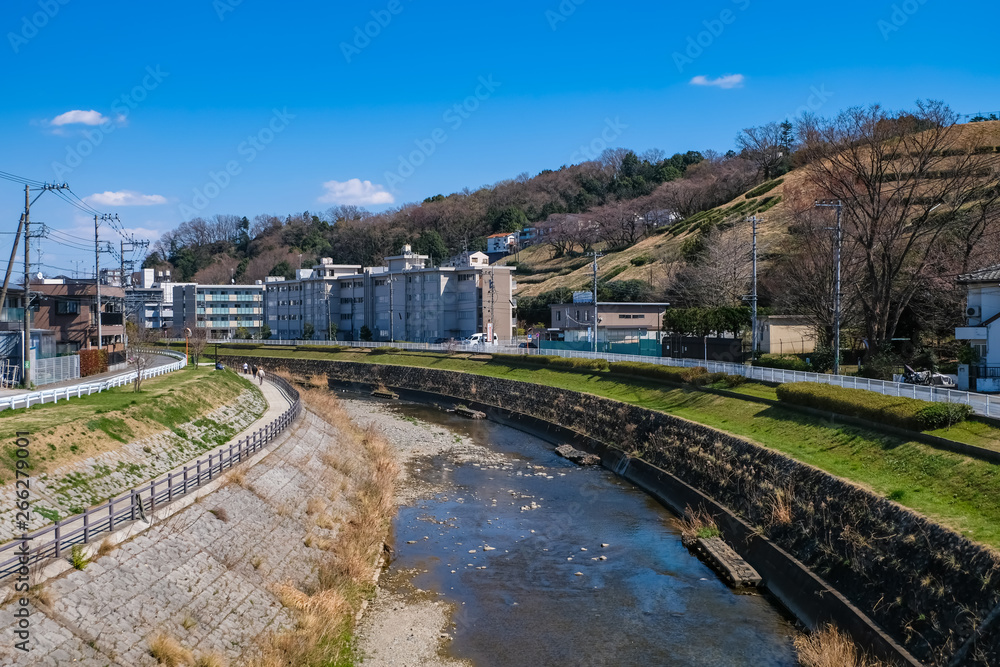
(559, 315)
(345, 316)
(380, 282)
(68, 307)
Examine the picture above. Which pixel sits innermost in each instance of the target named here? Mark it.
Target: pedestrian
(260, 375)
(253, 371)
(245, 368)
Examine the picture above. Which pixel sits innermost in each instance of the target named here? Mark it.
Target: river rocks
(578, 457)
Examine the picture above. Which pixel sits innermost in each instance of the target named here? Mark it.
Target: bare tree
(905, 180)
(140, 353)
(763, 146)
(721, 276)
(197, 342)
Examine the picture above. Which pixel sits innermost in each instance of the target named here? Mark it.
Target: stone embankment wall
(929, 588)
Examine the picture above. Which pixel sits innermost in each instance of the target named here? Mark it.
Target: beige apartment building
(404, 300)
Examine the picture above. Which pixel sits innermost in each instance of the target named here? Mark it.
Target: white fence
(56, 369)
(88, 388)
(982, 404)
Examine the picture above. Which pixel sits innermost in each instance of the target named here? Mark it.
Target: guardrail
(88, 388)
(982, 404)
(84, 528)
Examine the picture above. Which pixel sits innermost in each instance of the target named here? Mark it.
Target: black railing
(53, 541)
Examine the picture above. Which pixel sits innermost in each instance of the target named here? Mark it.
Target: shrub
(908, 413)
(570, 363)
(764, 187)
(734, 380)
(783, 361)
(640, 260)
(385, 349)
(93, 361)
(676, 374)
(320, 348)
(704, 379)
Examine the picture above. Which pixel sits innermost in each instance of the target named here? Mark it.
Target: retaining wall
(932, 591)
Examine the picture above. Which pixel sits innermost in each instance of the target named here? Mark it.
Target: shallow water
(650, 602)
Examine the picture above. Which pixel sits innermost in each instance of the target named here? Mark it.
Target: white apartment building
(219, 310)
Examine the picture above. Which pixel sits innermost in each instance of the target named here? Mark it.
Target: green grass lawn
(955, 490)
(87, 425)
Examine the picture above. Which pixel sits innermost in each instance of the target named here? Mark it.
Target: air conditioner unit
(973, 311)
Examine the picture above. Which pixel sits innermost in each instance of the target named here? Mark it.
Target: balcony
(971, 333)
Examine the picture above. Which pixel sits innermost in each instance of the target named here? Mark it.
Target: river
(542, 562)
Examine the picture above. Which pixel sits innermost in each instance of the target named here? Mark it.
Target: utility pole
(595, 302)
(97, 279)
(753, 296)
(26, 219)
(10, 262)
(839, 239)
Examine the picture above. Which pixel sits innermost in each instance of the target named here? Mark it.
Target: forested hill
(920, 206)
(249, 247)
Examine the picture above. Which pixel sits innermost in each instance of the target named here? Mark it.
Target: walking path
(277, 403)
(204, 571)
(157, 361)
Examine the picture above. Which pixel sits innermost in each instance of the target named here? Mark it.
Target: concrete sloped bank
(216, 577)
(931, 590)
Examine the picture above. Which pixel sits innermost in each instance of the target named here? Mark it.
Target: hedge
(783, 362)
(679, 374)
(93, 361)
(571, 363)
(908, 413)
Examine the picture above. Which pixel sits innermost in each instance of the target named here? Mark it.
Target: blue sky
(245, 106)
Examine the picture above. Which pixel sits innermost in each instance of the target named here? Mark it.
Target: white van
(480, 338)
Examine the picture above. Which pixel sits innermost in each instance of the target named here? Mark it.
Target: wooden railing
(56, 540)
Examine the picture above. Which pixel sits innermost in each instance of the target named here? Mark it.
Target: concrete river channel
(515, 545)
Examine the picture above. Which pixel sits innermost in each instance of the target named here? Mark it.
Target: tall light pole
(838, 205)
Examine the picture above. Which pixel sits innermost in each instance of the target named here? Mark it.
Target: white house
(500, 242)
(983, 331)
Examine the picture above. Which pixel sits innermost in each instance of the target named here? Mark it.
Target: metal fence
(88, 388)
(56, 540)
(57, 369)
(981, 404)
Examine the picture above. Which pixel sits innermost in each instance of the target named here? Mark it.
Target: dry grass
(168, 651)
(695, 524)
(315, 505)
(40, 595)
(325, 616)
(107, 546)
(188, 622)
(781, 507)
(213, 659)
(238, 476)
(828, 647)
(318, 382)
(220, 513)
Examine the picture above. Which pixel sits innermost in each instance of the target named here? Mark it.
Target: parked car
(530, 346)
(480, 338)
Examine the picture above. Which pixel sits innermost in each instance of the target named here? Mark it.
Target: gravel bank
(406, 626)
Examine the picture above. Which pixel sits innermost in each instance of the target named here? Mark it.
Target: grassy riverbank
(957, 491)
(66, 431)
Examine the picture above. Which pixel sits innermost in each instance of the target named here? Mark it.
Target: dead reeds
(828, 647)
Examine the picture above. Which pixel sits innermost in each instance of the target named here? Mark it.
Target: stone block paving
(70, 489)
(204, 575)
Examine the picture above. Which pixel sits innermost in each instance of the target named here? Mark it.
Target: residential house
(616, 322)
(982, 330)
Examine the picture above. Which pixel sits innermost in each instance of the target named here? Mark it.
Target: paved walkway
(206, 575)
(158, 360)
(276, 405)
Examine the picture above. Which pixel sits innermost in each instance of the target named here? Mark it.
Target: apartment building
(311, 298)
(403, 300)
(221, 311)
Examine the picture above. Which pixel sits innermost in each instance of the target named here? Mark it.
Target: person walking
(260, 375)
(253, 371)
(245, 368)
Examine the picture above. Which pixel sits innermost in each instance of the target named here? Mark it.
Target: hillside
(655, 259)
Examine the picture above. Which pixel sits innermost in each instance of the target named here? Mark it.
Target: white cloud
(727, 81)
(78, 117)
(124, 198)
(356, 192)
